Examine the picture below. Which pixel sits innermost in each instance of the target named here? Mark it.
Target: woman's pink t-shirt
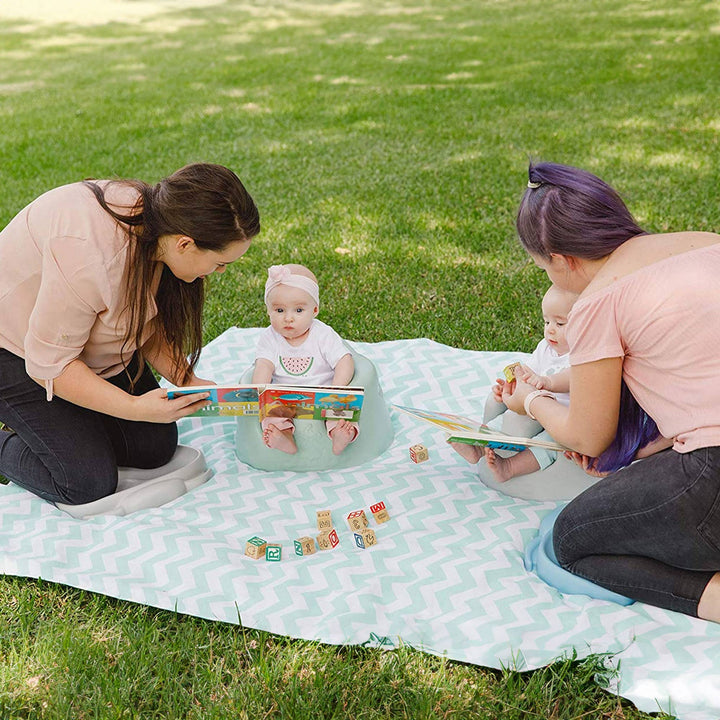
(62, 285)
(664, 321)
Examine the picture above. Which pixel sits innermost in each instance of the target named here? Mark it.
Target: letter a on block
(380, 513)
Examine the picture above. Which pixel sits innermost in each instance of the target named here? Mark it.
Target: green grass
(386, 145)
(70, 654)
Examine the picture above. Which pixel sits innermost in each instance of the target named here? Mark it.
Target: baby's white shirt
(312, 363)
(546, 361)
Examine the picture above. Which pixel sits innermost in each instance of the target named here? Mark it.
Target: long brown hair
(209, 204)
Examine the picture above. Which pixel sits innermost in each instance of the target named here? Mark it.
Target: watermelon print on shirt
(296, 366)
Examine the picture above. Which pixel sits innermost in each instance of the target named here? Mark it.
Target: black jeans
(66, 453)
(651, 531)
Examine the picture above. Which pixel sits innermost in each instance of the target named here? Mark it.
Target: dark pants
(651, 531)
(66, 453)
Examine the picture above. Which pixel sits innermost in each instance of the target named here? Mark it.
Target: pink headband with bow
(282, 275)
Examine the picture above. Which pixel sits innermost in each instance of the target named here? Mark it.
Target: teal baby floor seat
(314, 446)
(563, 480)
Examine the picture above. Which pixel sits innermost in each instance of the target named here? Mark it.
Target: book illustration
(297, 402)
(301, 403)
(225, 400)
(465, 430)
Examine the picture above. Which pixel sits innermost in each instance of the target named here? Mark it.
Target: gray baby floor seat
(562, 480)
(142, 489)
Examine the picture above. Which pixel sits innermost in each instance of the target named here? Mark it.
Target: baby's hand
(540, 382)
(497, 389)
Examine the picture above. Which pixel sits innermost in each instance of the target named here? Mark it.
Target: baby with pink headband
(299, 349)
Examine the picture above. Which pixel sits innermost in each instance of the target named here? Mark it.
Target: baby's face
(291, 311)
(555, 309)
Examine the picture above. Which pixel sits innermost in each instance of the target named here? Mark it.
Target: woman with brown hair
(101, 281)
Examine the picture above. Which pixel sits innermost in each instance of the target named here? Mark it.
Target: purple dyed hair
(570, 211)
(635, 430)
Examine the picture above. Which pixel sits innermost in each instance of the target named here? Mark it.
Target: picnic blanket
(446, 575)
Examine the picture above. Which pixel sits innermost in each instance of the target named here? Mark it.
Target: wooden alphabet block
(304, 546)
(357, 520)
(418, 453)
(509, 371)
(324, 521)
(255, 547)
(273, 553)
(379, 512)
(365, 538)
(328, 540)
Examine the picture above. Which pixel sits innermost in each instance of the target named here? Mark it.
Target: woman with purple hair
(644, 337)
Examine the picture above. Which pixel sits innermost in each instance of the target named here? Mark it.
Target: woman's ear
(183, 243)
(564, 262)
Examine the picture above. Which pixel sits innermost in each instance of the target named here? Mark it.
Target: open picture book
(465, 430)
(297, 402)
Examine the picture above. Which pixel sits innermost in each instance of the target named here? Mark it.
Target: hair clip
(532, 185)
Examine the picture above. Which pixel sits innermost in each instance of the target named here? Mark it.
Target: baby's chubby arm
(559, 382)
(263, 372)
(344, 370)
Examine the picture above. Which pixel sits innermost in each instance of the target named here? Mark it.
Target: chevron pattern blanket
(445, 576)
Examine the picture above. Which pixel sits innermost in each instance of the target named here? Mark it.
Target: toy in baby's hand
(510, 371)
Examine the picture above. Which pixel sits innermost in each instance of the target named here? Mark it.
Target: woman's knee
(154, 447)
(77, 485)
(167, 444)
(566, 551)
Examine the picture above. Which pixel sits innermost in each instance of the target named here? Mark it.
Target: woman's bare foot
(342, 435)
(282, 440)
(471, 453)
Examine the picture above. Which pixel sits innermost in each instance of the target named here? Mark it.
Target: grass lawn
(386, 145)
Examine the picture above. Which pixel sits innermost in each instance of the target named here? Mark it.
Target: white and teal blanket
(446, 576)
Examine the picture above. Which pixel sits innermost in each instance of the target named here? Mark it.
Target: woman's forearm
(79, 385)
(163, 363)
(588, 426)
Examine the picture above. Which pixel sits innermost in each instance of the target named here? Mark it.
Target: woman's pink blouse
(62, 283)
(664, 321)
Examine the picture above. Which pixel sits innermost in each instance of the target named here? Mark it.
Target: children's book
(465, 430)
(328, 402)
(224, 399)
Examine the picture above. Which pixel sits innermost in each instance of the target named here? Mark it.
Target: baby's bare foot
(471, 453)
(500, 467)
(342, 435)
(282, 440)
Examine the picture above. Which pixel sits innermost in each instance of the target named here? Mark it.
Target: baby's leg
(278, 434)
(504, 468)
(342, 433)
